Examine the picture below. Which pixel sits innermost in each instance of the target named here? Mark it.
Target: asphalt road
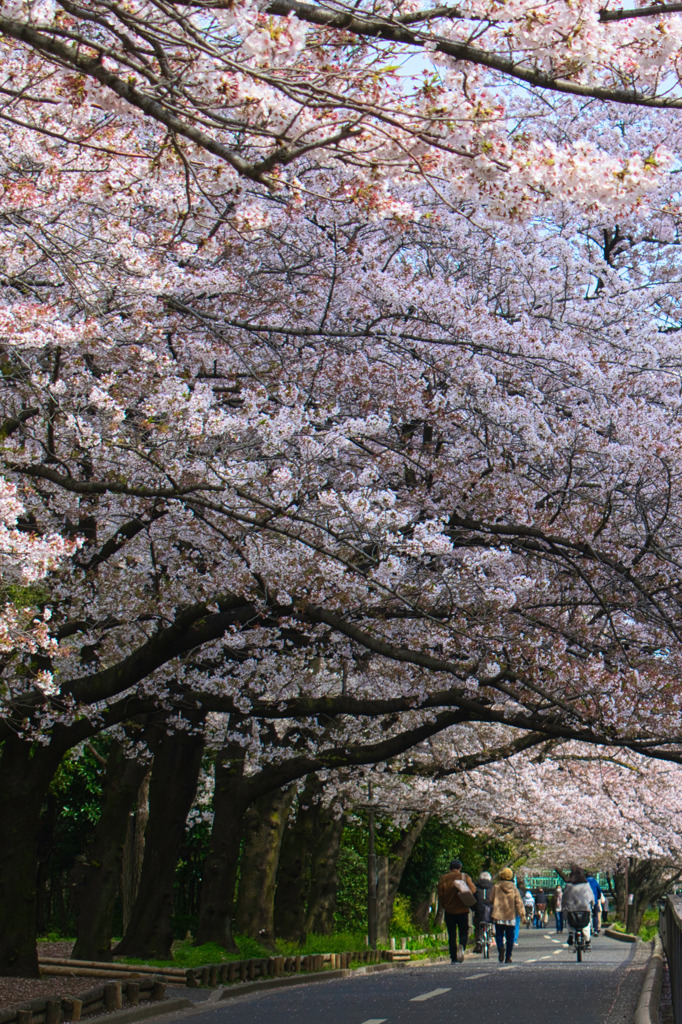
(544, 983)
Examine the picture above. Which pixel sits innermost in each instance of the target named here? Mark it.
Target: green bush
(351, 899)
(401, 920)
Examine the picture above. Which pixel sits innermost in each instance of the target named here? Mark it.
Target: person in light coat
(507, 904)
(578, 896)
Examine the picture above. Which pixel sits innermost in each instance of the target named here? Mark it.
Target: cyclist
(528, 905)
(540, 908)
(578, 896)
(483, 907)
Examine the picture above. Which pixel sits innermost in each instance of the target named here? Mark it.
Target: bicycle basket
(579, 918)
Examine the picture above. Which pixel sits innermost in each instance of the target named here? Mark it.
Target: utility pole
(371, 880)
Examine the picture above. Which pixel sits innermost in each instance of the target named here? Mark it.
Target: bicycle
(487, 938)
(529, 910)
(577, 921)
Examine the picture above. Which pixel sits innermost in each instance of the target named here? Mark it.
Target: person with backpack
(482, 909)
(456, 895)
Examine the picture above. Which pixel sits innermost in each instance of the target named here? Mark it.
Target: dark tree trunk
(133, 852)
(393, 870)
(48, 819)
(231, 798)
(293, 874)
(97, 874)
(265, 822)
(648, 880)
(175, 772)
(420, 910)
(26, 770)
(324, 875)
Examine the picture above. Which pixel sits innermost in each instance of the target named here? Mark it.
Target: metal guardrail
(670, 927)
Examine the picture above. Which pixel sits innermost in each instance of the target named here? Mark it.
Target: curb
(650, 999)
(299, 979)
(621, 936)
(134, 1013)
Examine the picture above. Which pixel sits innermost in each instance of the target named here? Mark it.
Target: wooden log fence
(134, 983)
(103, 999)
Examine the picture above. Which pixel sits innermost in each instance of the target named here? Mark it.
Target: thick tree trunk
(394, 869)
(231, 798)
(420, 910)
(26, 770)
(133, 852)
(97, 874)
(175, 772)
(265, 822)
(48, 819)
(293, 873)
(648, 880)
(324, 875)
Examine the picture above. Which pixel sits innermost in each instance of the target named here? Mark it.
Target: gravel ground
(14, 991)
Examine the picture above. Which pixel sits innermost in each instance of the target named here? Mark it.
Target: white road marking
(558, 951)
(429, 995)
(376, 1020)
(547, 937)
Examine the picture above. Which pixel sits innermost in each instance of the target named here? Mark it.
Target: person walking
(483, 907)
(507, 903)
(558, 909)
(596, 909)
(578, 897)
(452, 889)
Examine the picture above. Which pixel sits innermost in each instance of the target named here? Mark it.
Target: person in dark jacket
(483, 907)
(456, 911)
(540, 908)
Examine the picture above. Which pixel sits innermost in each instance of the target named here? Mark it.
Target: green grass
(187, 955)
(648, 929)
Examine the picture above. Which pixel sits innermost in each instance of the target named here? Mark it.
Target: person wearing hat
(456, 908)
(507, 904)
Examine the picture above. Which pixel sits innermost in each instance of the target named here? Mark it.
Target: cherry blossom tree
(357, 378)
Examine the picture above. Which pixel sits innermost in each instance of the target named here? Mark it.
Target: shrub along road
(544, 980)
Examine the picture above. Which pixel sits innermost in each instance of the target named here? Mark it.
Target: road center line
(429, 995)
(376, 1020)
